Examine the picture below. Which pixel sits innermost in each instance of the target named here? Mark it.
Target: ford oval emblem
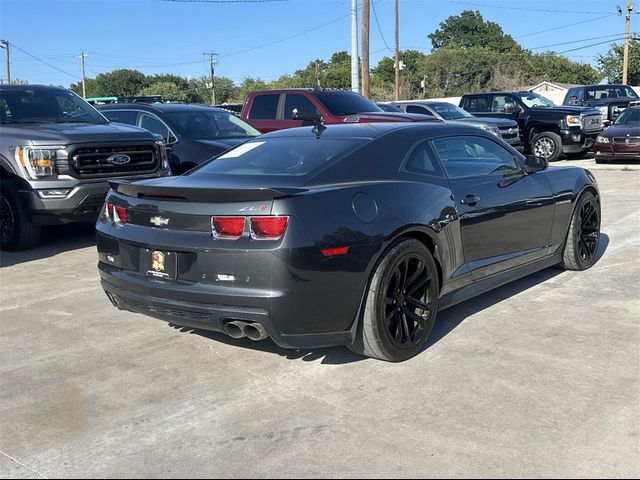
(119, 159)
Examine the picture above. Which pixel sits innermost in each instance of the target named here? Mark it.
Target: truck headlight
(574, 120)
(493, 130)
(600, 139)
(604, 111)
(38, 161)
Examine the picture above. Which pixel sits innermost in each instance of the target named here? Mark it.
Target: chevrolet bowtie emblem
(159, 221)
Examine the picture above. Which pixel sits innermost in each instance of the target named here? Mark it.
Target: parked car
(344, 235)
(271, 110)
(546, 129)
(611, 100)
(56, 155)
(194, 133)
(388, 107)
(505, 128)
(621, 141)
(235, 108)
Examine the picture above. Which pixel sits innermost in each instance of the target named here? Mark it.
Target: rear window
(293, 156)
(346, 103)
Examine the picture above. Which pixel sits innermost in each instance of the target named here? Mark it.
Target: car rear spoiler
(188, 194)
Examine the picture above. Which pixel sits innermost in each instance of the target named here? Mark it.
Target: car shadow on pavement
(54, 240)
(450, 318)
(446, 322)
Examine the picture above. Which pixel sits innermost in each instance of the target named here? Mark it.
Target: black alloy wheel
(401, 303)
(407, 306)
(583, 238)
(588, 233)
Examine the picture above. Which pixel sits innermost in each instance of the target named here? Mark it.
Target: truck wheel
(547, 145)
(16, 230)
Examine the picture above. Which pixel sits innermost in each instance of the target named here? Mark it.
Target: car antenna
(318, 127)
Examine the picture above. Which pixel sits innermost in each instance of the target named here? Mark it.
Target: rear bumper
(608, 152)
(209, 316)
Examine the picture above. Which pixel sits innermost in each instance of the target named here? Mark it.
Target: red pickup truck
(270, 110)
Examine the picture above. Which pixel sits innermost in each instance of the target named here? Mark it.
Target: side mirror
(306, 116)
(509, 108)
(533, 164)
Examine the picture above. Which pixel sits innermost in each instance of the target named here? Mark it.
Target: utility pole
(317, 74)
(397, 54)
(5, 44)
(366, 4)
(625, 60)
(355, 80)
(212, 62)
(84, 76)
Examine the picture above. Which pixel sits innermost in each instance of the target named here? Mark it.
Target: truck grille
(509, 133)
(592, 123)
(88, 162)
(623, 140)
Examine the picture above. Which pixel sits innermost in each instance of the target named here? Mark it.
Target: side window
(265, 107)
(575, 96)
(418, 109)
(422, 161)
(297, 102)
(499, 101)
(153, 124)
(477, 104)
(467, 156)
(121, 116)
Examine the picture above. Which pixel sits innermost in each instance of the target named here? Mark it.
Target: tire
(547, 145)
(16, 230)
(600, 160)
(393, 326)
(583, 237)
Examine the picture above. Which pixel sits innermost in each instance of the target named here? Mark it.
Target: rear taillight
(261, 228)
(230, 228)
(268, 228)
(116, 214)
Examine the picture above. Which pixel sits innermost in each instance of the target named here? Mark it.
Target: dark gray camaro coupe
(347, 235)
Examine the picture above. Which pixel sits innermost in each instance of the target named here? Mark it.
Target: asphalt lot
(540, 378)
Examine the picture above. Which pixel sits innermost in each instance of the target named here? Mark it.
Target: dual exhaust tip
(239, 329)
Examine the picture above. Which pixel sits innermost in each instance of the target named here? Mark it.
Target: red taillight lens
(117, 214)
(268, 228)
(121, 214)
(227, 227)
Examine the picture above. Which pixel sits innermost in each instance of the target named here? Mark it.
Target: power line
(42, 61)
(486, 5)
(375, 16)
(565, 26)
(287, 37)
(574, 41)
(592, 45)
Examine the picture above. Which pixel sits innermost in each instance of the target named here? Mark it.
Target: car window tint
(298, 102)
(418, 109)
(498, 103)
(121, 116)
(283, 157)
(153, 124)
(264, 106)
(477, 104)
(422, 161)
(464, 156)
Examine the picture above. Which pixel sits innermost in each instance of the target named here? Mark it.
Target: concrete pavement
(540, 378)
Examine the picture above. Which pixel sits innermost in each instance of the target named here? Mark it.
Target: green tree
(549, 66)
(415, 68)
(119, 83)
(249, 84)
(169, 91)
(611, 63)
(470, 30)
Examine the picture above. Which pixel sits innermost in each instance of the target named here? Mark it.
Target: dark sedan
(621, 141)
(343, 235)
(194, 133)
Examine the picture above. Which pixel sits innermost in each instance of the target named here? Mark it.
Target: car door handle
(470, 200)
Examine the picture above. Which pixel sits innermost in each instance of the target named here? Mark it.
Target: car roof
(374, 130)
(305, 89)
(159, 107)
(6, 86)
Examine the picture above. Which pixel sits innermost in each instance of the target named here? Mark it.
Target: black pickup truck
(611, 100)
(546, 129)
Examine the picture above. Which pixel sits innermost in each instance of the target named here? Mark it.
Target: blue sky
(268, 38)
